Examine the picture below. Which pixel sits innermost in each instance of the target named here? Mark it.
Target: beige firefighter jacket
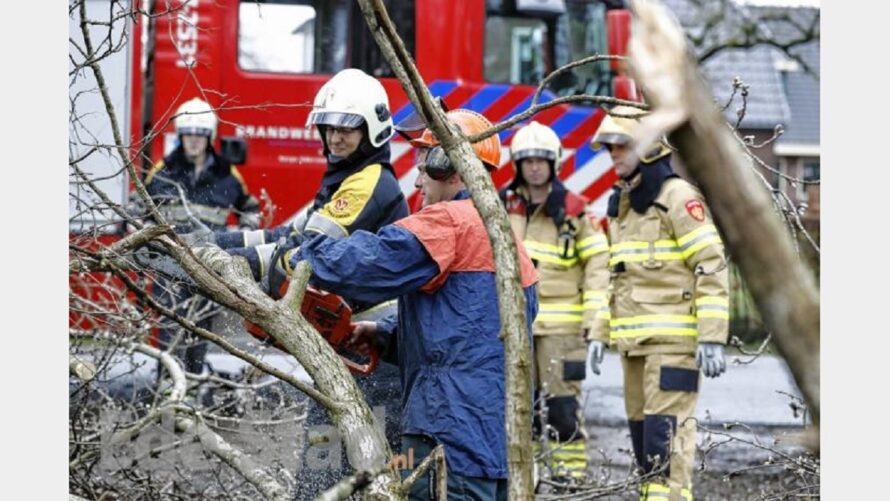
(669, 281)
(571, 261)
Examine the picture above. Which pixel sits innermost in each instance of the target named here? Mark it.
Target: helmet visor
(610, 138)
(196, 131)
(336, 119)
(535, 153)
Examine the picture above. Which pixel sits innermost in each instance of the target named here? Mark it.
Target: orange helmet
(488, 150)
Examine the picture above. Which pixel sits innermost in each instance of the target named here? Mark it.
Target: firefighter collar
(644, 186)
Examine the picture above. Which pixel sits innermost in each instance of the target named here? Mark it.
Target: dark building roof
(780, 91)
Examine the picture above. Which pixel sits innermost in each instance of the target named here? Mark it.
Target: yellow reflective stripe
(692, 235)
(712, 307)
(701, 244)
(636, 246)
(547, 248)
(558, 317)
(570, 456)
(647, 319)
(654, 331)
(712, 300)
(157, 167)
(698, 239)
(592, 245)
(659, 491)
(237, 175)
(645, 325)
(285, 260)
(559, 307)
(632, 252)
(559, 312)
(568, 263)
(549, 253)
(573, 446)
(604, 313)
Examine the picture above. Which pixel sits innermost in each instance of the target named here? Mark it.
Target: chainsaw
(332, 318)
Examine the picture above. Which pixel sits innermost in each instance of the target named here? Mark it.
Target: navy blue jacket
(218, 190)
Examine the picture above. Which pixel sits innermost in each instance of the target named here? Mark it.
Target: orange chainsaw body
(332, 318)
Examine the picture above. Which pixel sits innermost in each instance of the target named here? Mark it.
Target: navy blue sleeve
(367, 267)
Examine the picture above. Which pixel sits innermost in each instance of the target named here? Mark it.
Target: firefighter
(439, 264)
(214, 189)
(359, 191)
(571, 254)
(668, 305)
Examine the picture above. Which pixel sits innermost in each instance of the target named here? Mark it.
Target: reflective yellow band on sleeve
(285, 260)
(694, 234)
(712, 307)
(592, 245)
(698, 239)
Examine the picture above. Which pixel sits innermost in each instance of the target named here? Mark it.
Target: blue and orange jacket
(440, 265)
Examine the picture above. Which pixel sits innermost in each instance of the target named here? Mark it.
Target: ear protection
(436, 164)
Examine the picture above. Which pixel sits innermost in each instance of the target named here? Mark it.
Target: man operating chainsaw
(440, 265)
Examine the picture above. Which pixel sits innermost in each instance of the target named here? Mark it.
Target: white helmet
(536, 140)
(352, 98)
(196, 117)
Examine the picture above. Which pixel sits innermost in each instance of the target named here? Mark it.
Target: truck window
(522, 47)
(315, 36)
(277, 37)
(365, 53)
(514, 50)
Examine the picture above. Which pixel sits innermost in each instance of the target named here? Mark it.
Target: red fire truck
(261, 62)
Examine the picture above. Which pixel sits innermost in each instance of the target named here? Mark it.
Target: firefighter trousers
(559, 371)
(660, 394)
